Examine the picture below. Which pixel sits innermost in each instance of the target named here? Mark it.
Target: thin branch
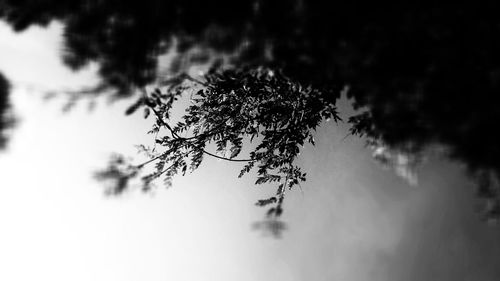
(159, 117)
(209, 132)
(158, 174)
(154, 158)
(97, 89)
(176, 136)
(227, 159)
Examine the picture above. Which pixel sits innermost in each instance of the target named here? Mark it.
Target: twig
(176, 136)
(227, 159)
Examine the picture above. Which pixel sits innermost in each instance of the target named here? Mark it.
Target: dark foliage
(425, 72)
(6, 119)
(226, 109)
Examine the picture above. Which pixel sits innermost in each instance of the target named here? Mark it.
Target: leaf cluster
(229, 108)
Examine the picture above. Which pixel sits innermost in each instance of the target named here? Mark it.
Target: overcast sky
(353, 220)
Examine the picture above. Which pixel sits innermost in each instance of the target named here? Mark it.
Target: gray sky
(353, 219)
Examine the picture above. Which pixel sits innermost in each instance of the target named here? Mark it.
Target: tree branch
(176, 136)
(227, 159)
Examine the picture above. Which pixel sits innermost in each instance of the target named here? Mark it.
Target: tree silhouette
(6, 119)
(424, 73)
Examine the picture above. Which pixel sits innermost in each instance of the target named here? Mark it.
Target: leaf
(201, 93)
(279, 211)
(246, 169)
(132, 108)
(270, 212)
(235, 151)
(146, 112)
(311, 140)
(264, 202)
(261, 180)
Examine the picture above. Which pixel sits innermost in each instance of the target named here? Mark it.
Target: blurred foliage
(6, 118)
(424, 73)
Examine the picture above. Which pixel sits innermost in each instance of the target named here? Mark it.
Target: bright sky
(353, 220)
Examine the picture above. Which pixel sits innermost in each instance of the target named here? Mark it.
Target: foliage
(229, 107)
(6, 120)
(426, 73)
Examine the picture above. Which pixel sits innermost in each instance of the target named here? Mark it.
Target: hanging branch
(233, 105)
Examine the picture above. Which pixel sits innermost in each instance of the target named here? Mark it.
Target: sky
(352, 220)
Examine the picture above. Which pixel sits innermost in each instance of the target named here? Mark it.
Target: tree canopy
(425, 73)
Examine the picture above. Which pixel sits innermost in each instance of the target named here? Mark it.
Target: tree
(424, 73)
(6, 119)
